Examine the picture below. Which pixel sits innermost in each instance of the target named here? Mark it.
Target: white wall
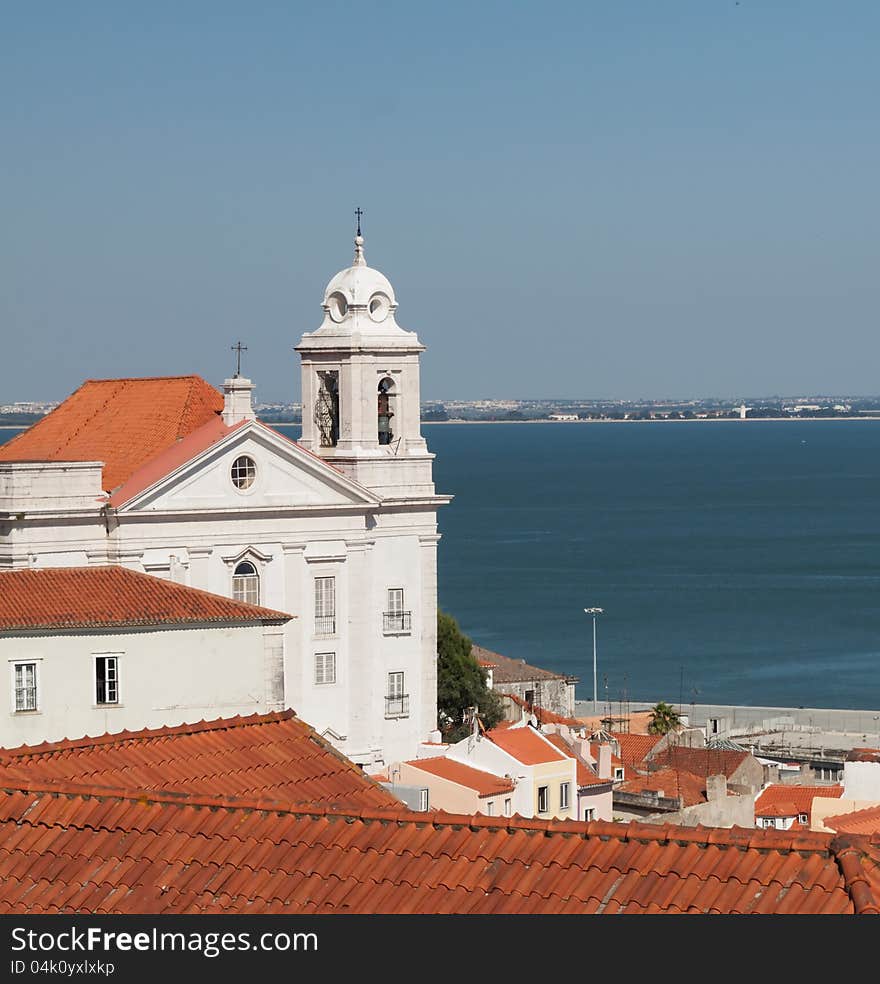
(166, 677)
(861, 780)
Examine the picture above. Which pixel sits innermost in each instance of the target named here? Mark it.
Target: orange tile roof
(507, 670)
(865, 821)
(155, 469)
(701, 761)
(97, 851)
(585, 775)
(483, 783)
(542, 714)
(674, 783)
(101, 597)
(525, 745)
(789, 801)
(634, 748)
(863, 755)
(267, 756)
(122, 422)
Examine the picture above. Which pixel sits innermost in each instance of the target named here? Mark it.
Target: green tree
(461, 683)
(664, 718)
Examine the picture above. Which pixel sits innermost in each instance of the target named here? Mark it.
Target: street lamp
(595, 612)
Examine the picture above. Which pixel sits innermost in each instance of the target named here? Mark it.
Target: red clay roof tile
(122, 422)
(286, 762)
(101, 597)
(791, 801)
(525, 745)
(865, 821)
(483, 783)
(196, 851)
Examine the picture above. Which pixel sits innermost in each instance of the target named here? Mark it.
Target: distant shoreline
(655, 420)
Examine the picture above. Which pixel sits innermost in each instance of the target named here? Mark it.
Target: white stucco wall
(166, 677)
(861, 780)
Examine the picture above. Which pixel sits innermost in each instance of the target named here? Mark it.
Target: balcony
(325, 625)
(396, 623)
(397, 707)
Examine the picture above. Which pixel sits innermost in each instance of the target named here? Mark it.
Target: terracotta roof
(585, 775)
(865, 821)
(122, 422)
(863, 755)
(789, 801)
(507, 670)
(542, 714)
(525, 745)
(674, 783)
(634, 748)
(266, 756)
(483, 783)
(92, 850)
(172, 457)
(101, 597)
(700, 761)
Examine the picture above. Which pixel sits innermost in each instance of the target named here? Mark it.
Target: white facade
(482, 753)
(161, 676)
(343, 535)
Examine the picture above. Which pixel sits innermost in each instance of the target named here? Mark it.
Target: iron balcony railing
(396, 622)
(397, 707)
(325, 625)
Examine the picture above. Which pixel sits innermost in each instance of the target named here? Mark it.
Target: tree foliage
(461, 683)
(664, 718)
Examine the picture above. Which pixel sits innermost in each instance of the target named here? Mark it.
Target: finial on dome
(359, 241)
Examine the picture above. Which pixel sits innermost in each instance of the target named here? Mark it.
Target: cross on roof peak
(238, 348)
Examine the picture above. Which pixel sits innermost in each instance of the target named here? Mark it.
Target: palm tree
(664, 718)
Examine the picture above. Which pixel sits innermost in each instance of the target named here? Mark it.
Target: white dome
(359, 289)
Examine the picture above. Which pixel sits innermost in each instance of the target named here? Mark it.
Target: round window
(244, 471)
(337, 305)
(379, 307)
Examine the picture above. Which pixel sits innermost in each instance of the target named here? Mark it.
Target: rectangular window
(543, 799)
(106, 680)
(25, 683)
(423, 800)
(325, 606)
(563, 795)
(395, 620)
(589, 813)
(508, 808)
(325, 668)
(396, 698)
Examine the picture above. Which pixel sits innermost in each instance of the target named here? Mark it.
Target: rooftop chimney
(604, 761)
(237, 400)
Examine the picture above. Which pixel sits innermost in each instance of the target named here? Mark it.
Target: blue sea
(737, 562)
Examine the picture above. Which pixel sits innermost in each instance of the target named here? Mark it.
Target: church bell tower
(360, 385)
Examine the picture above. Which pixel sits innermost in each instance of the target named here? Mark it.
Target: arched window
(327, 408)
(246, 583)
(386, 412)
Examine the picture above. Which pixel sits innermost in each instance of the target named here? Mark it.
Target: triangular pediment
(281, 475)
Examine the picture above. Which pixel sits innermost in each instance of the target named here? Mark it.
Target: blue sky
(661, 199)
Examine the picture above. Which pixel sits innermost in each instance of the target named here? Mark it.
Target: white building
(91, 650)
(171, 477)
(544, 778)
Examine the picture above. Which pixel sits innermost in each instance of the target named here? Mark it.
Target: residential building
(172, 477)
(458, 788)
(91, 650)
(784, 807)
(534, 685)
(545, 778)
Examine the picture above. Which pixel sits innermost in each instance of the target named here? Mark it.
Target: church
(173, 478)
